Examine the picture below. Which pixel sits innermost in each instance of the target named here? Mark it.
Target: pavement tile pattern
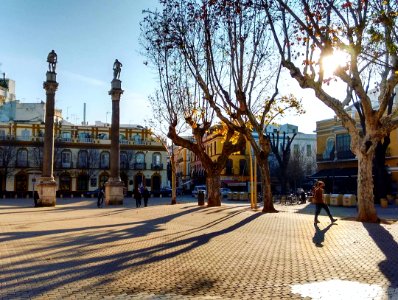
(184, 251)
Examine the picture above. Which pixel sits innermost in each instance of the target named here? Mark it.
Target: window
(2, 134)
(82, 159)
(156, 159)
(25, 135)
(66, 159)
(215, 148)
(137, 139)
(309, 151)
(343, 142)
(124, 164)
(243, 167)
(66, 136)
(329, 151)
(140, 158)
(22, 158)
(295, 149)
(1, 157)
(228, 167)
(104, 160)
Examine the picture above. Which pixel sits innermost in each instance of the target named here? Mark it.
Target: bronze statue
(117, 67)
(52, 61)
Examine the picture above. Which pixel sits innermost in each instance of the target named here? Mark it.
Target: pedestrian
(100, 197)
(303, 197)
(137, 197)
(320, 203)
(36, 198)
(145, 195)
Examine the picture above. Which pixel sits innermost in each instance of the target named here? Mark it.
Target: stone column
(47, 186)
(114, 194)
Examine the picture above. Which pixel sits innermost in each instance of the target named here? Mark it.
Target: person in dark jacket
(100, 197)
(145, 196)
(137, 197)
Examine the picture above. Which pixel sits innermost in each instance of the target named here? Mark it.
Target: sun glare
(333, 61)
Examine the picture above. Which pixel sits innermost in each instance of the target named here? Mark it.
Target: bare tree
(224, 45)
(8, 154)
(179, 99)
(365, 32)
(282, 155)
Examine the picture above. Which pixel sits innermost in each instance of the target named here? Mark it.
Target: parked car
(166, 191)
(224, 192)
(91, 194)
(198, 188)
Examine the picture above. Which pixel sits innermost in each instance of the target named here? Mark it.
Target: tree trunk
(266, 186)
(366, 208)
(173, 180)
(213, 183)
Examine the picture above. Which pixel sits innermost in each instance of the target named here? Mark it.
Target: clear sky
(88, 35)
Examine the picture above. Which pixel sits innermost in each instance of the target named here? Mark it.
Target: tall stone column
(47, 187)
(114, 193)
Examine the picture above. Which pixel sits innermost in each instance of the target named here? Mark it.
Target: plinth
(114, 193)
(46, 188)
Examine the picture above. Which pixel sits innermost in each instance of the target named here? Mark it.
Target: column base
(114, 193)
(47, 190)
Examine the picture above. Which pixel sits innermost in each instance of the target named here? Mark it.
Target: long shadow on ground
(20, 278)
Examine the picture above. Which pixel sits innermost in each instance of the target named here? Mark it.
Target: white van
(198, 188)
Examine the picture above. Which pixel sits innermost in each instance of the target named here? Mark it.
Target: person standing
(100, 197)
(137, 197)
(320, 203)
(145, 195)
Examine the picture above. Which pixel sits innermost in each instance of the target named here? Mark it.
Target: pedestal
(47, 189)
(114, 193)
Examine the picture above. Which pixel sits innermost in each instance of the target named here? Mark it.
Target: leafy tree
(306, 32)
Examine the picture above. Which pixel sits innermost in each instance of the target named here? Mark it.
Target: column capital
(116, 93)
(50, 86)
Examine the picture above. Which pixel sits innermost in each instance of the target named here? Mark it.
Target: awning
(336, 173)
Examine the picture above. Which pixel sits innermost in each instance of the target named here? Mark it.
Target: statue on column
(117, 67)
(52, 61)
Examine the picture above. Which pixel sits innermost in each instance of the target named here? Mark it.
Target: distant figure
(36, 198)
(302, 197)
(52, 61)
(145, 195)
(137, 197)
(100, 197)
(318, 201)
(117, 67)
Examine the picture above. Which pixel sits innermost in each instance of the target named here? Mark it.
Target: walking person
(137, 197)
(100, 197)
(145, 195)
(319, 203)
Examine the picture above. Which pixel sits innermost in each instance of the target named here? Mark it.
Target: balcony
(64, 165)
(86, 140)
(139, 166)
(156, 166)
(346, 154)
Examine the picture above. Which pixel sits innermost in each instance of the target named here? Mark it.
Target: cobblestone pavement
(183, 251)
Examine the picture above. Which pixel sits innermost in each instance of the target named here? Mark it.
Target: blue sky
(88, 35)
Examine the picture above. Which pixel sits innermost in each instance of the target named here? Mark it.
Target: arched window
(22, 158)
(140, 161)
(66, 159)
(104, 160)
(156, 161)
(124, 163)
(82, 159)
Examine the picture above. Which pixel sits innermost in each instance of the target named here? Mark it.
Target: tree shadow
(386, 243)
(71, 267)
(319, 235)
